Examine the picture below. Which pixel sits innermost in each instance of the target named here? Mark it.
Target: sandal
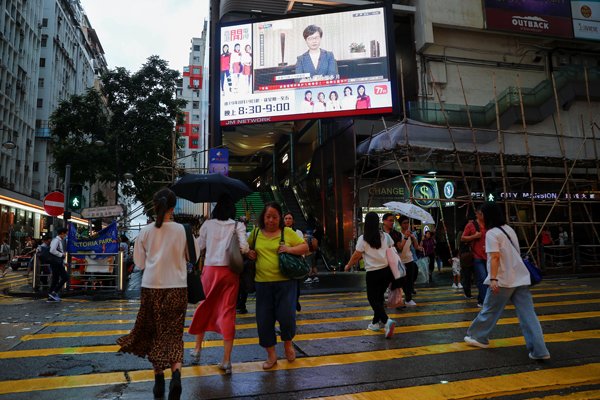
(226, 368)
(290, 355)
(269, 364)
(195, 356)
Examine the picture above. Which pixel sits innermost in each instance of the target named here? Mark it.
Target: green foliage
(135, 116)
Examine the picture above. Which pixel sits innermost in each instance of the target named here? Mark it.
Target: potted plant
(357, 50)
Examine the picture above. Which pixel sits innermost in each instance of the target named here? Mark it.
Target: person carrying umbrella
(408, 239)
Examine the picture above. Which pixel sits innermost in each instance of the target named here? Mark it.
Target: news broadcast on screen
(317, 66)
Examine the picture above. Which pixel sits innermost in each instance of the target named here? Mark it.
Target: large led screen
(317, 66)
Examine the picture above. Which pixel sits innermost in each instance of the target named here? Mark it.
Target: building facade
(48, 51)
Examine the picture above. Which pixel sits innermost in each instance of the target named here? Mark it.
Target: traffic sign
(54, 203)
(101, 212)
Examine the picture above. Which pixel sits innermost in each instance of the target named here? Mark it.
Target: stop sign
(54, 203)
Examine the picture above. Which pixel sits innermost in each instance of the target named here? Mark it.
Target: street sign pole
(66, 214)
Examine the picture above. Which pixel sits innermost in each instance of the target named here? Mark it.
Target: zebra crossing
(73, 354)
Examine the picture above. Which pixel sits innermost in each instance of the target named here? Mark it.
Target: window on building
(196, 129)
(195, 117)
(182, 129)
(36, 166)
(195, 142)
(44, 40)
(40, 103)
(196, 71)
(196, 47)
(42, 62)
(40, 82)
(44, 22)
(196, 105)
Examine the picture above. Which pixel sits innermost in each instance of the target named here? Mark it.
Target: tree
(138, 129)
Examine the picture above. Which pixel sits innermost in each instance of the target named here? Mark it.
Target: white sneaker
(460, 286)
(472, 342)
(454, 286)
(315, 279)
(375, 327)
(308, 280)
(411, 303)
(389, 328)
(546, 357)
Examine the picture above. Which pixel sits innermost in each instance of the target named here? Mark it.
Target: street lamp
(9, 145)
(128, 175)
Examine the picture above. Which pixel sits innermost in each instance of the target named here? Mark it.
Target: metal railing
(86, 272)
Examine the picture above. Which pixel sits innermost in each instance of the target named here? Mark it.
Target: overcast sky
(130, 31)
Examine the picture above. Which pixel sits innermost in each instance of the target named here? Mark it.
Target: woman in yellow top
(275, 292)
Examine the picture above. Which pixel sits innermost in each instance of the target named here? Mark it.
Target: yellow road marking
(85, 311)
(254, 340)
(494, 386)
(111, 378)
(356, 318)
(586, 395)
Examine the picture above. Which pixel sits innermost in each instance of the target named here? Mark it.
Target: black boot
(175, 386)
(159, 386)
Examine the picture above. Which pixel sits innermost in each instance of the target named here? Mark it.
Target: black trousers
(377, 283)
(409, 280)
(466, 277)
(59, 276)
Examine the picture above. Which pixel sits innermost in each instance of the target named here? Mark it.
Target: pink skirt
(217, 312)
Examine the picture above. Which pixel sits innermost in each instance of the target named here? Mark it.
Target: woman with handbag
(508, 279)
(372, 246)
(161, 252)
(275, 292)
(217, 312)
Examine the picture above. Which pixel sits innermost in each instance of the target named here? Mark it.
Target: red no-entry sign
(54, 203)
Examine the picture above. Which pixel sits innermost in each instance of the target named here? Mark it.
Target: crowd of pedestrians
(161, 252)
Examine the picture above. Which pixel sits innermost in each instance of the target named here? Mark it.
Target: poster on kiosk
(306, 67)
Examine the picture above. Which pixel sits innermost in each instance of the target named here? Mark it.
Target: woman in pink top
(362, 100)
(161, 252)
(217, 312)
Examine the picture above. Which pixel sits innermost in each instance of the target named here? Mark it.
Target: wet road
(68, 351)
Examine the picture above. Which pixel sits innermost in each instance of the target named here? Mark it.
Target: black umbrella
(203, 188)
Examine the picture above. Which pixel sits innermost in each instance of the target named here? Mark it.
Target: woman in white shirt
(508, 279)
(320, 105)
(348, 101)
(372, 246)
(161, 251)
(334, 103)
(217, 312)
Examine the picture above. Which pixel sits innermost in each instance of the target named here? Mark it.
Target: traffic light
(75, 197)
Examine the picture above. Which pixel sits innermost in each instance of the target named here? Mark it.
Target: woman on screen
(319, 63)
(308, 104)
(362, 100)
(333, 103)
(320, 105)
(225, 66)
(348, 101)
(247, 67)
(236, 67)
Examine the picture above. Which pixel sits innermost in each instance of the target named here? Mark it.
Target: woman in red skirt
(217, 312)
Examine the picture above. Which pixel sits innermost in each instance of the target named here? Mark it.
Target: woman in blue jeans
(508, 279)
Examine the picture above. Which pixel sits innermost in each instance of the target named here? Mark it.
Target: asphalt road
(67, 350)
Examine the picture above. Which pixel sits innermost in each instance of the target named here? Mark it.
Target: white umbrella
(411, 211)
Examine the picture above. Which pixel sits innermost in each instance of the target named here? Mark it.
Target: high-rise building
(48, 52)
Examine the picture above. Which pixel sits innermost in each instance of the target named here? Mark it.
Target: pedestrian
(217, 312)
(455, 262)
(372, 246)
(508, 279)
(32, 253)
(288, 222)
(161, 253)
(314, 239)
(4, 256)
(246, 277)
(408, 241)
(563, 236)
(275, 293)
(474, 236)
(44, 259)
(57, 260)
(428, 245)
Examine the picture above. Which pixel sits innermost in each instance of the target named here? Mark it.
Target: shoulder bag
(393, 259)
(234, 255)
(291, 265)
(534, 272)
(249, 272)
(194, 282)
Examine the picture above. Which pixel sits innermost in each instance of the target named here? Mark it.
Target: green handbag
(292, 266)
